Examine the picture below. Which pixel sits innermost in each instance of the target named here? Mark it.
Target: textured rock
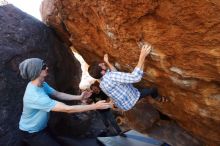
(21, 37)
(172, 134)
(185, 61)
(137, 120)
(148, 121)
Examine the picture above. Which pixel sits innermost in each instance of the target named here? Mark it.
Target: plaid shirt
(118, 86)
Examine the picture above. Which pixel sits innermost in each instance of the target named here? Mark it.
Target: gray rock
(21, 37)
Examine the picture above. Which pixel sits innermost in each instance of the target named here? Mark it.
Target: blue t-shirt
(36, 107)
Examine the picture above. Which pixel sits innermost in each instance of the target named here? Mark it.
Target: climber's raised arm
(112, 68)
(144, 52)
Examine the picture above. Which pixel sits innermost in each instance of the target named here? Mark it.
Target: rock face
(185, 61)
(22, 37)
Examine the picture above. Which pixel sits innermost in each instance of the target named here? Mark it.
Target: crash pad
(133, 138)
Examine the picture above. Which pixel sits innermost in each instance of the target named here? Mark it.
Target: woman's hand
(102, 104)
(86, 94)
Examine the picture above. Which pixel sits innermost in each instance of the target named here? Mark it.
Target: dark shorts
(42, 138)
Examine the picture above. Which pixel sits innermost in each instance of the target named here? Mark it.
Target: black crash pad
(133, 138)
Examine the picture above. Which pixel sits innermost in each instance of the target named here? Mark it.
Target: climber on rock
(37, 104)
(118, 85)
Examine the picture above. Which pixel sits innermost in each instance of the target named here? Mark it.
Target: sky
(31, 7)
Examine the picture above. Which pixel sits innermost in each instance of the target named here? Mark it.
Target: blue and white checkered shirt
(118, 86)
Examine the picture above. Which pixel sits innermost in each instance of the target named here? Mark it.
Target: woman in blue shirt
(37, 104)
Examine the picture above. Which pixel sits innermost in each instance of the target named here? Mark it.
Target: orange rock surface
(184, 63)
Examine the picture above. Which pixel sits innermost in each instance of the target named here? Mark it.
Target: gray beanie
(30, 68)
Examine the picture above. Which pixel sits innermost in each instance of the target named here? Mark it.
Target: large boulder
(184, 63)
(22, 37)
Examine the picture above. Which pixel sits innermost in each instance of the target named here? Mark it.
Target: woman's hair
(95, 84)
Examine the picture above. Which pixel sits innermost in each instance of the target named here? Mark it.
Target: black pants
(109, 120)
(149, 92)
(42, 138)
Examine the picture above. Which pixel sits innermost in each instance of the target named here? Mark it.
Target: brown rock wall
(185, 61)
